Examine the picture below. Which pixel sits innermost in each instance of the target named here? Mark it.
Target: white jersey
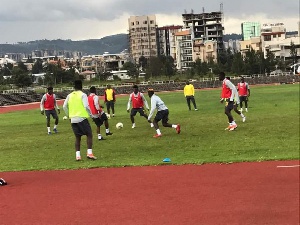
(156, 103)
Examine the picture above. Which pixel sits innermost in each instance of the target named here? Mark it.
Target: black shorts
(110, 104)
(82, 128)
(162, 115)
(52, 112)
(229, 105)
(243, 98)
(100, 120)
(141, 111)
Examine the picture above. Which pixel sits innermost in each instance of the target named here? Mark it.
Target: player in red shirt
(229, 95)
(48, 105)
(98, 115)
(244, 93)
(138, 101)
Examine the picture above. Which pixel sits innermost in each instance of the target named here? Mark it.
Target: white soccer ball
(65, 118)
(119, 125)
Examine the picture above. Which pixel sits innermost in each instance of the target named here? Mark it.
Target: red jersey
(226, 91)
(243, 89)
(93, 108)
(49, 102)
(137, 101)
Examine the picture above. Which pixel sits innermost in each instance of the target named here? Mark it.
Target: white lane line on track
(288, 166)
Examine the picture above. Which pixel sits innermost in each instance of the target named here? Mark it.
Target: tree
(293, 52)
(237, 63)
(23, 80)
(37, 67)
(132, 70)
(168, 65)
(22, 67)
(155, 66)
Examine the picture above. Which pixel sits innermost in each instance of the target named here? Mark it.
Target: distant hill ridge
(112, 44)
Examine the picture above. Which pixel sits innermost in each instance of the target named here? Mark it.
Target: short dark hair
(135, 86)
(78, 84)
(93, 89)
(49, 88)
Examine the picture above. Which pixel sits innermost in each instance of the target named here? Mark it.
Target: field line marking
(288, 166)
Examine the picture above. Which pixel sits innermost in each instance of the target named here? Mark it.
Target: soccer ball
(65, 118)
(119, 126)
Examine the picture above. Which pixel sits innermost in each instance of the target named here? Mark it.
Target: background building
(206, 26)
(142, 36)
(250, 29)
(184, 49)
(166, 40)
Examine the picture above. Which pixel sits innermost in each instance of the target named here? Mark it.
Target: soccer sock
(174, 126)
(158, 132)
(77, 153)
(151, 125)
(55, 126)
(90, 152)
(233, 123)
(242, 115)
(107, 130)
(99, 136)
(49, 129)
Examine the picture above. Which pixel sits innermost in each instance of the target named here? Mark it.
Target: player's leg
(108, 107)
(228, 108)
(246, 103)
(188, 101)
(77, 133)
(55, 116)
(165, 123)
(48, 114)
(235, 108)
(87, 130)
(241, 103)
(132, 115)
(156, 119)
(104, 119)
(144, 114)
(194, 102)
(113, 108)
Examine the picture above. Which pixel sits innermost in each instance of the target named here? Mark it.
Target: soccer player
(48, 105)
(228, 94)
(189, 94)
(162, 114)
(77, 109)
(138, 100)
(98, 115)
(244, 93)
(235, 106)
(110, 99)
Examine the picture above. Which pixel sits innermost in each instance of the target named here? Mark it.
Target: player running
(244, 93)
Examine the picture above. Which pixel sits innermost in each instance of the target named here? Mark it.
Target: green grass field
(271, 132)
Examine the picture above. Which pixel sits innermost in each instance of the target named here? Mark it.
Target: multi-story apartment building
(250, 29)
(271, 36)
(166, 40)
(142, 36)
(184, 49)
(206, 26)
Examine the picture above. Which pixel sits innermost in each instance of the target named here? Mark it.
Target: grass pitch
(271, 132)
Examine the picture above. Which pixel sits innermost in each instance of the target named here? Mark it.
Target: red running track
(242, 193)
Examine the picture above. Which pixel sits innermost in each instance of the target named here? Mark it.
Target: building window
(151, 21)
(132, 23)
(279, 35)
(267, 38)
(209, 47)
(145, 22)
(137, 22)
(274, 35)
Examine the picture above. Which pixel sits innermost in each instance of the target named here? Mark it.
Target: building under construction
(206, 26)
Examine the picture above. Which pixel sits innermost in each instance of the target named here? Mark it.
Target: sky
(29, 20)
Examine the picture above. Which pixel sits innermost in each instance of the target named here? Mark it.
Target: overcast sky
(28, 20)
